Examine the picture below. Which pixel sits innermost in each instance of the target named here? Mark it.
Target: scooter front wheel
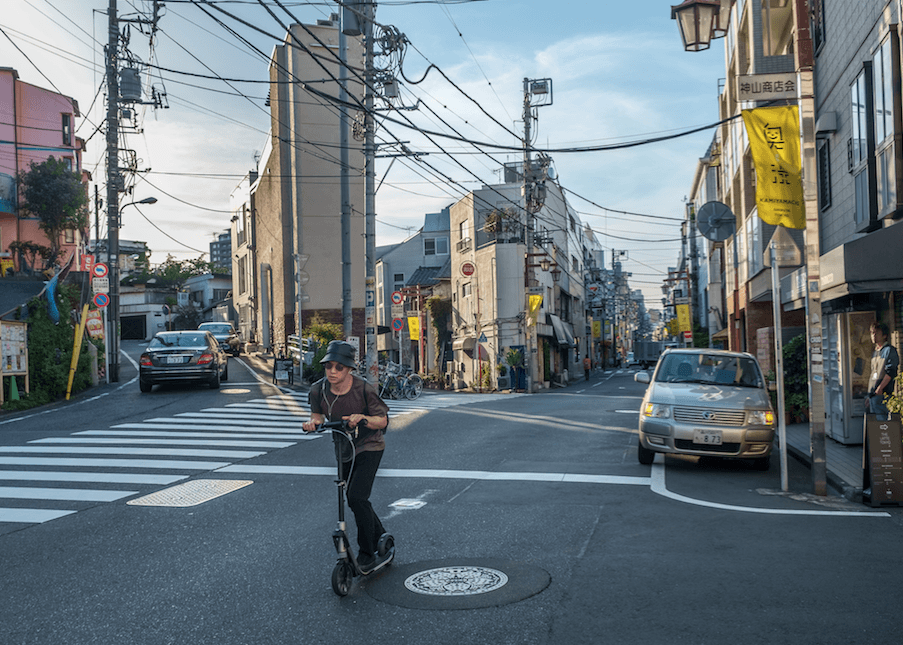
(342, 576)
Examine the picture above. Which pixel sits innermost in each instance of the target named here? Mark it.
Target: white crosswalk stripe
(174, 448)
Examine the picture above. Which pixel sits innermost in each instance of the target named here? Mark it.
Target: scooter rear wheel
(385, 545)
(342, 576)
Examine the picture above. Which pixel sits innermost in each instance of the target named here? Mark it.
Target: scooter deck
(380, 563)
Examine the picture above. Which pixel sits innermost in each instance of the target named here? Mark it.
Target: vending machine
(847, 349)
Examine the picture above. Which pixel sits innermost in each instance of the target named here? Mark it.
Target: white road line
(172, 426)
(483, 475)
(96, 478)
(658, 487)
(30, 515)
(63, 494)
(144, 452)
(272, 434)
(192, 422)
(167, 442)
(155, 464)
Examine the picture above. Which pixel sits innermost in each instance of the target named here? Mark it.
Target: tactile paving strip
(190, 493)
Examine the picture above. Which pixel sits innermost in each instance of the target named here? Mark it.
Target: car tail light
(145, 360)
(203, 359)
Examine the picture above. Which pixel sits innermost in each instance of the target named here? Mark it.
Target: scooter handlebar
(343, 426)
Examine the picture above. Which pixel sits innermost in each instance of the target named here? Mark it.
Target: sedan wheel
(145, 386)
(225, 376)
(214, 382)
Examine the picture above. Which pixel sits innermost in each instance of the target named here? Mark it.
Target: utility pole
(804, 66)
(529, 273)
(113, 182)
(371, 363)
(345, 190)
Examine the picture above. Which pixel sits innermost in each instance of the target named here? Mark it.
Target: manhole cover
(190, 493)
(456, 581)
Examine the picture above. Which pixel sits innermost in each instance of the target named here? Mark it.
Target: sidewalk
(843, 462)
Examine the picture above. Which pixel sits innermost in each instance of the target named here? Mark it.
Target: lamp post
(113, 263)
(697, 21)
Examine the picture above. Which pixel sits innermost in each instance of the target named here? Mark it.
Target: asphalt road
(543, 488)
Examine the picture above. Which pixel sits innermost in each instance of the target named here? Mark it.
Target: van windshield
(709, 368)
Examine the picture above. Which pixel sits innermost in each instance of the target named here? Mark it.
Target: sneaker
(366, 561)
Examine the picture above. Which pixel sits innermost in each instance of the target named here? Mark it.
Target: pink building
(34, 124)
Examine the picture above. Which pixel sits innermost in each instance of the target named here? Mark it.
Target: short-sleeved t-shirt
(362, 398)
(885, 361)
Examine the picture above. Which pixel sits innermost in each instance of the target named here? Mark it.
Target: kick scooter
(347, 567)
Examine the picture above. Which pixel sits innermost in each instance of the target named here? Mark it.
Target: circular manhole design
(456, 581)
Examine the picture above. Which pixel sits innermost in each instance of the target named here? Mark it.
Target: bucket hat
(338, 351)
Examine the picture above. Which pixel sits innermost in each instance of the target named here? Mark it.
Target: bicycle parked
(399, 382)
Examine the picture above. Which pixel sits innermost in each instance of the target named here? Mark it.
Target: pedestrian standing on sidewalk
(885, 363)
(587, 365)
(341, 395)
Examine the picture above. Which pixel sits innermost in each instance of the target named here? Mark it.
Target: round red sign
(468, 269)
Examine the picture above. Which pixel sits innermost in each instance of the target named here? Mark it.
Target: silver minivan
(706, 402)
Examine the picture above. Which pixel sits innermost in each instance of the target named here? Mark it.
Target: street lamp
(113, 264)
(697, 21)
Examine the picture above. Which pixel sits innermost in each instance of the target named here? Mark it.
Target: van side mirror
(641, 377)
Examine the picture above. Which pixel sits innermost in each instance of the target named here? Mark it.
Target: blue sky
(619, 74)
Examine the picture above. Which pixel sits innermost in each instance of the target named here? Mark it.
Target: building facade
(35, 124)
(294, 264)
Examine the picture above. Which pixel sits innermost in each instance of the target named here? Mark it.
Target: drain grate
(190, 493)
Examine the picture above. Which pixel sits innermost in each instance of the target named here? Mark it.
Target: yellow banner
(597, 329)
(533, 305)
(683, 318)
(414, 327)
(774, 139)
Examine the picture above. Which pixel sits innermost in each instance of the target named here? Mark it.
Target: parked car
(182, 356)
(706, 402)
(226, 335)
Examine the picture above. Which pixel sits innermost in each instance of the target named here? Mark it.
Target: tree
(57, 197)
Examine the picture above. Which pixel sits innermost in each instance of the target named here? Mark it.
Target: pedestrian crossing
(103, 465)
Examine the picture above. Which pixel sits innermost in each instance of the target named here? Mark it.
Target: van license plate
(707, 437)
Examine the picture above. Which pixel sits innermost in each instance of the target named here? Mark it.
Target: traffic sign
(397, 324)
(397, 311)
(397, 297)
(101, 300)
(100, 285)
(100, 270)
(468, 269)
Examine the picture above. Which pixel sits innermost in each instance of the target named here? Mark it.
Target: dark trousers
(369, 528)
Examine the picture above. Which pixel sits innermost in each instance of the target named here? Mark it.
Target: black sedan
(182, 356)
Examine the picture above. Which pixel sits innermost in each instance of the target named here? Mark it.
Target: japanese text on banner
(774, 139)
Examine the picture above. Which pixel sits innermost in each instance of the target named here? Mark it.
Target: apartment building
(35, 123)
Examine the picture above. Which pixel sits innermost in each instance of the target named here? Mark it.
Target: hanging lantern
(696, 20)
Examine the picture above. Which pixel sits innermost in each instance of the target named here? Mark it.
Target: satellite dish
(715, 221)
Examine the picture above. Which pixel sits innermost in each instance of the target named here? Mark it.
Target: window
(464, 229)
(883, 101)
(817, 23)
(435, 246)
(398, 280)
(858, 98)
(861, 147)
(824, 174)
(466, 290)
(69, 236)
(777, 24)
(67, 129)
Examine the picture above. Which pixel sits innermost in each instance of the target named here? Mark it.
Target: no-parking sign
(397, 324)
(101, 300)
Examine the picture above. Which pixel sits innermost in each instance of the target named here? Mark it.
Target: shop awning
(563, 332)
(871, 264)
(465, 344)
(720, 335)
(468, 345)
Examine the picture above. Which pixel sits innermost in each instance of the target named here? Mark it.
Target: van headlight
(760, 418)
(657, 411)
